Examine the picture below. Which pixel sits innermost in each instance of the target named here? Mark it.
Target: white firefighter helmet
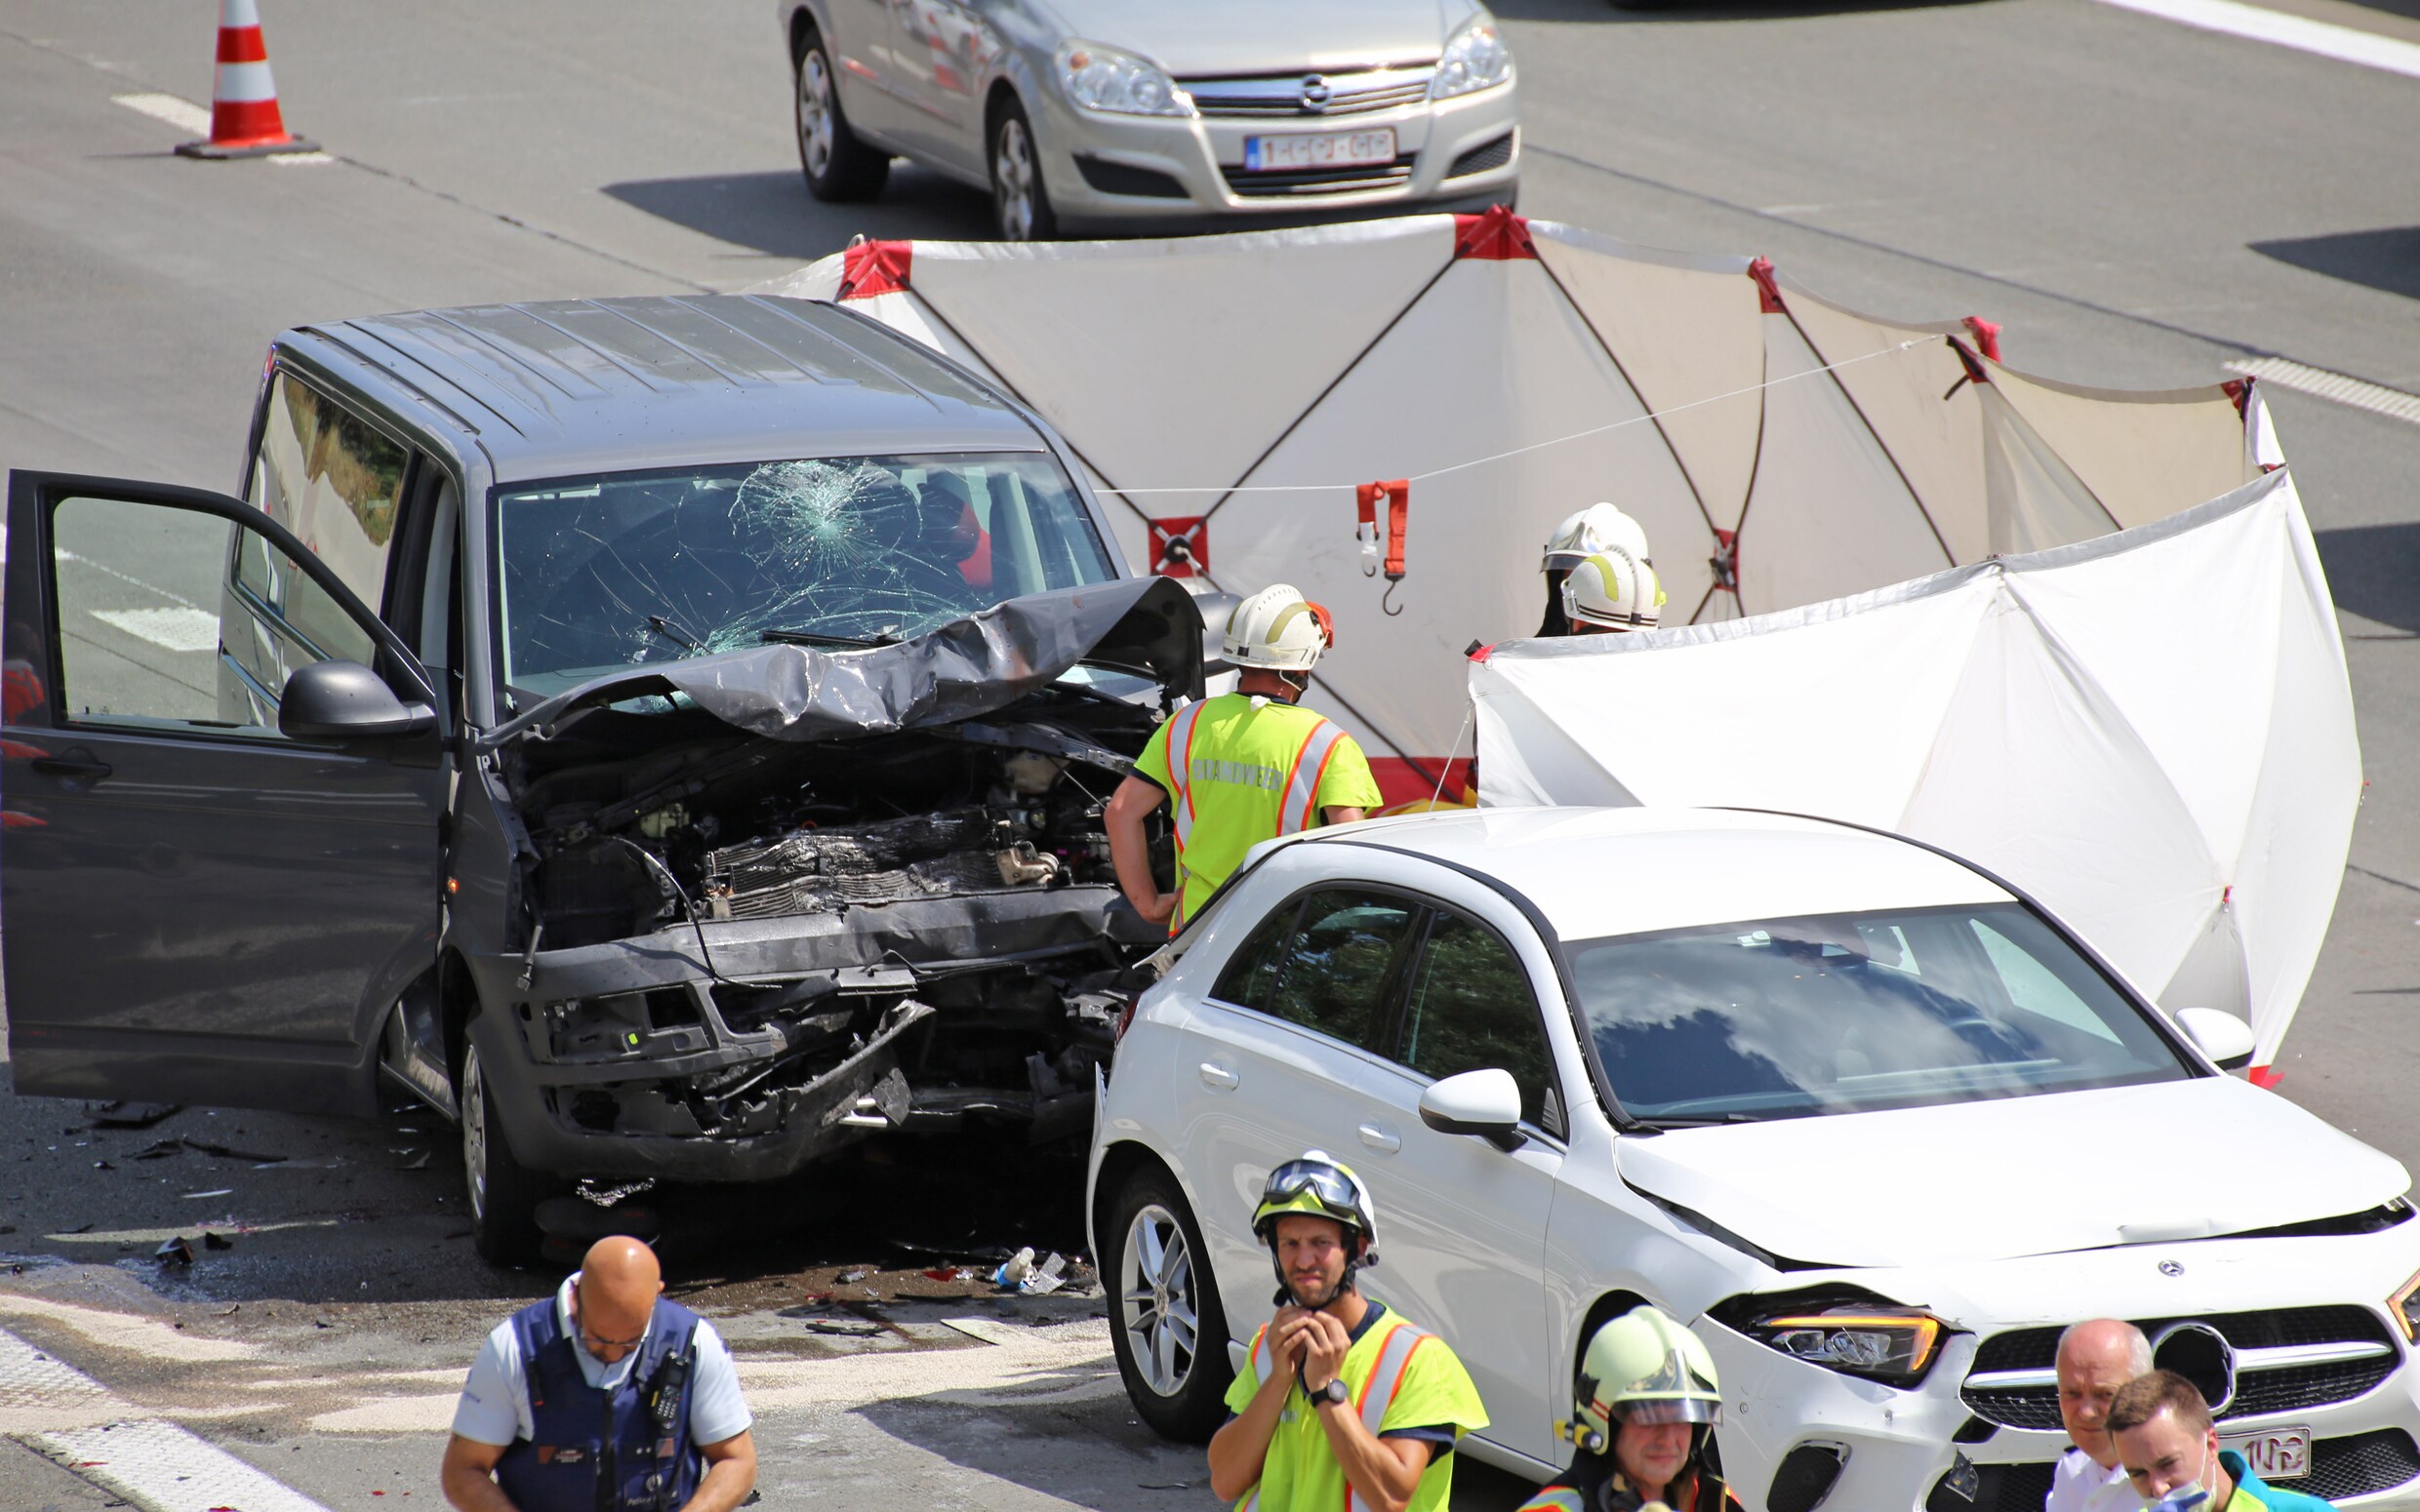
(1615, 591)
(1278, 629)
(1597, 528)
(1644, 1368)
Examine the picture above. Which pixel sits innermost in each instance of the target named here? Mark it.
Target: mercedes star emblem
(2170, 1268)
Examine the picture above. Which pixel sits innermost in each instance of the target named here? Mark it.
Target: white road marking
(177, 629)
(1069, 1363)
(55, 1410)
(148, 587)
(182, 114)
(161, 1467)
(131, 1333)
(2344, 44)
(2342, 388)
(195, 121)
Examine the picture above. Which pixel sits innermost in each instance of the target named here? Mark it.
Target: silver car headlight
(1105, 79)
(1475, 58)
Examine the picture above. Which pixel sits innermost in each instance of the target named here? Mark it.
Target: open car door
(220, 799)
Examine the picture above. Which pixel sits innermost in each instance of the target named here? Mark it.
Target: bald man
(530, 1434)
(2095, 1359)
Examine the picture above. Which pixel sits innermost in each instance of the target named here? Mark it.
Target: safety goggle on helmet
(1317, 1185)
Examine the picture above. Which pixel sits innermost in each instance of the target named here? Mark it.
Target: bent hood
(2014, 1177)
(1246, 37)
(962, 670)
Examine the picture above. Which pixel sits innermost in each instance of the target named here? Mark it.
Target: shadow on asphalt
(2387, 259)
(1709, 10)
(2371, 569)
(772, 213)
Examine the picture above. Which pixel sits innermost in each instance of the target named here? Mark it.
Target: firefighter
(1241, 767)
(1644, 1423)
(1612, 592)
(1597, 528)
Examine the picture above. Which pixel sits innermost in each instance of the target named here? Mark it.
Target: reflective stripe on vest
(1181, 727)
(1555, 1499)
(1297, 804)
(1378, 1388)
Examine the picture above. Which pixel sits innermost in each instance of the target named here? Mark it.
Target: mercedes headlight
(1103, 78)
(1476, 59)
(1892, 1345)
(2404, 1308)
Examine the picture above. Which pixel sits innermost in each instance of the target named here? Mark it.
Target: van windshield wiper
(664, 627)
(1693, 1120)
(787, 637)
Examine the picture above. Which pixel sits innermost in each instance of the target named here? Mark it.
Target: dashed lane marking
(182, 114)
(129, 1333)
(58, 1412)
(2344, 44)
(2342, 388)
(174, 629)
(195, 121)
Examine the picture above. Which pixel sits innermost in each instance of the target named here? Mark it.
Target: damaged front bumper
(746, 1050)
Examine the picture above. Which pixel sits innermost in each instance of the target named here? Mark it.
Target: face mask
(2191, 1497)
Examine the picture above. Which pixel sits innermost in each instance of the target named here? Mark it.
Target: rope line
(1539, 446)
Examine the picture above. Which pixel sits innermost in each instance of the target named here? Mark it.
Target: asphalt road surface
(2139, 203)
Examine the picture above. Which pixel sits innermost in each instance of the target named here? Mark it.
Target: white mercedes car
(1869, 1119)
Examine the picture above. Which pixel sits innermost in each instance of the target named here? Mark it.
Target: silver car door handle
(1219, 1077)
(1381, 1139)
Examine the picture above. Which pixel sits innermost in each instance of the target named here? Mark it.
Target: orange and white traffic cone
(244, 120)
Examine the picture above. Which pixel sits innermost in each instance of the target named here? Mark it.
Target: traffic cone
(244, 121)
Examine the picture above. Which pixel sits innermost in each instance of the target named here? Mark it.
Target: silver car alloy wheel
(1012, 171)
(475, 1133)
(815, 112)
(1157, 1305)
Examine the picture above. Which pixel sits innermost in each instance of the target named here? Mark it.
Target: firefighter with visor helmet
(1241, 767)
(1342, 1402)
(1599, 527)
(1643, 1423)
(1612, 592)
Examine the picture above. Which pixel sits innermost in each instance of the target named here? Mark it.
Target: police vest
(1296, 783)
(590, 1450)
(1372, 1394)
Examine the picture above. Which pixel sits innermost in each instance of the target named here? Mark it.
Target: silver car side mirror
(1485, 1103)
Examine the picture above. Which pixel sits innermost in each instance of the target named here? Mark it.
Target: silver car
(1092, 114)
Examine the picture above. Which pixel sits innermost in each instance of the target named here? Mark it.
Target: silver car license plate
(1326, 149)
(2273, 1453)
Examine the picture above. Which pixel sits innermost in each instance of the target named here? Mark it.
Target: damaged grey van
(667, 735)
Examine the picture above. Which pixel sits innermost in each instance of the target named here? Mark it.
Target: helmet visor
(1669, 1410)
(1331, 1187)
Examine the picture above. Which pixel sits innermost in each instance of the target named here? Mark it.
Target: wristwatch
(1334, 1393)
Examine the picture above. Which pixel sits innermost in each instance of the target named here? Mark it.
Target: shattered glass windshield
(604, 573)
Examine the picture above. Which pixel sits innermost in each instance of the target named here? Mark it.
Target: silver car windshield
(1852, 1012)
(604, 573)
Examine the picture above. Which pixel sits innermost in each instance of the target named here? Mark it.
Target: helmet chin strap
(1286, 1297)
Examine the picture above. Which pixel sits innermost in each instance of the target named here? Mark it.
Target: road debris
(175, 1252)
(222, 1191)
(225, 1152)
(130, 1115)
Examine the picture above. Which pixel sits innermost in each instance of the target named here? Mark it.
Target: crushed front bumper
(624, 1060)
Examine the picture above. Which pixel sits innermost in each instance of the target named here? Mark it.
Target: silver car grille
(1298, 95)
(2287, 1361)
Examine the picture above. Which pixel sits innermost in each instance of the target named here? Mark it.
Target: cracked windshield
(622, 570)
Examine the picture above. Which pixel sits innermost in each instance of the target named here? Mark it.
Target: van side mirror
(344, 700)
(1483, 1103)
(2223, 1037)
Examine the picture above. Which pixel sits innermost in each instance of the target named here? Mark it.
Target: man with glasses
(602, 1396)
(1342, 1404)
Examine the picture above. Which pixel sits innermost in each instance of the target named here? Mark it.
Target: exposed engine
(951, 887)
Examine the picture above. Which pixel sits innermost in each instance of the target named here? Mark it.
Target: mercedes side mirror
(2223, 1037)
(344, 700)
(1483, 1103)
